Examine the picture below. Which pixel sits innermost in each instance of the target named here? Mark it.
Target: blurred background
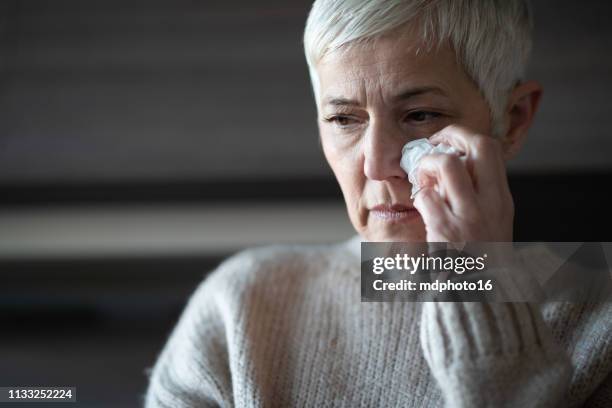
(141, 142)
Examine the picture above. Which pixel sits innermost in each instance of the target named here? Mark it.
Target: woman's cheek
(349, 173)
(343, 156)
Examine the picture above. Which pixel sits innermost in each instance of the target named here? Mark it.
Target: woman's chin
(396, 233)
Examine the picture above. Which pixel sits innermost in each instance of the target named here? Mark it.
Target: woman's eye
(341, 120)
(422, 116)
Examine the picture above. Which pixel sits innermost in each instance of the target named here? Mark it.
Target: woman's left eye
(422, 116)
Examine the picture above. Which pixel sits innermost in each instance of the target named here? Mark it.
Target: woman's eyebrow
(412, 92)
(402, 96)
(339, 101)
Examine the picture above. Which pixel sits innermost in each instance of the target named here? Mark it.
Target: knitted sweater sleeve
(193, 367)
(493, 355)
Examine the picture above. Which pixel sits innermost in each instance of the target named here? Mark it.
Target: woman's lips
(394, 213)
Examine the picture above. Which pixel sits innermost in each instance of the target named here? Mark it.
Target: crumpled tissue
(413, 152)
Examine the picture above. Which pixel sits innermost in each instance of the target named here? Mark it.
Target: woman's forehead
(389, 68)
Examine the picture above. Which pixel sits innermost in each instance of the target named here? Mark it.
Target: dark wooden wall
(134, 91)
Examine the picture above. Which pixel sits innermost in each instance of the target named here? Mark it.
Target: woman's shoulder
(285, 256)
(256, 282)
(269, 264)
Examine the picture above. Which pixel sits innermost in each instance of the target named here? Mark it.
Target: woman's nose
(382, 151)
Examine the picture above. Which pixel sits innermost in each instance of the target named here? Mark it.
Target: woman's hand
(465, 201)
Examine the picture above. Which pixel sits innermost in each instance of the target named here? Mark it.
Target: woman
(283, 325)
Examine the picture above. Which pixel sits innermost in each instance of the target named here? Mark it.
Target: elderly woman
(284, 325)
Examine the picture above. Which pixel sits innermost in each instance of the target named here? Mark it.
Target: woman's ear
(522, 105)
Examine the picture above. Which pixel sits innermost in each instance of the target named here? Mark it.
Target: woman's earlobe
(522, 106)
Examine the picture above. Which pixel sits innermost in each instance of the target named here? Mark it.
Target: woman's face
(373, 101)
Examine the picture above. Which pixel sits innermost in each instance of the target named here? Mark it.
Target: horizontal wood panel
(117, 91)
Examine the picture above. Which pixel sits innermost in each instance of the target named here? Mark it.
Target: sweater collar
(354, 245)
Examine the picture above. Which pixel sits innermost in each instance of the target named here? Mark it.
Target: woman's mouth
(394, 213)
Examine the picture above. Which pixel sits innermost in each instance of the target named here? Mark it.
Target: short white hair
(491, 38)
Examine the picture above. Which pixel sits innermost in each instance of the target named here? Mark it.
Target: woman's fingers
(431, 205)
(454, 183)
(484, 155)
(435, 213)
(471, 197)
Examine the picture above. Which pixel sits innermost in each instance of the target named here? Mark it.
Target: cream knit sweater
(284, 326)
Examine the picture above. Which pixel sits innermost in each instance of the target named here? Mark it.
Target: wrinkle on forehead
(354, 74)
(383, 66)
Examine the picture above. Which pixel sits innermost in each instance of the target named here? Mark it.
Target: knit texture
(284, 326)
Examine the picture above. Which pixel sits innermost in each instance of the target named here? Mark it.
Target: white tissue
(413, 152)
